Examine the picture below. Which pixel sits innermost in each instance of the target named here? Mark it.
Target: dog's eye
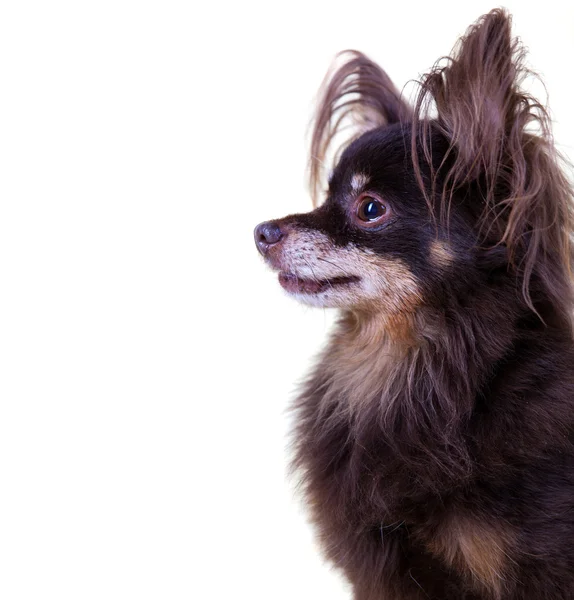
(370, 209)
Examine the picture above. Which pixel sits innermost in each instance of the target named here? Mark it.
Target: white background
(147, 355)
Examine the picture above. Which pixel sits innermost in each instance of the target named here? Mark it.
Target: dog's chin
(332, 292)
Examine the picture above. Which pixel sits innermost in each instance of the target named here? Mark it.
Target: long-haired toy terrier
(435, 436)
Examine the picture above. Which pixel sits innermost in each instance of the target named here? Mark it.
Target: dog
(434, 437)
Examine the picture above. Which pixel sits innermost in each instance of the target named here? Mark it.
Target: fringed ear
(500, 140)
(358, 94)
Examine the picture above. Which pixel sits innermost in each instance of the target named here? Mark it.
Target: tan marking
(441, 254)
(476, 549)
(359, 182)
(365, 360)
(367, 357)
(386, 285)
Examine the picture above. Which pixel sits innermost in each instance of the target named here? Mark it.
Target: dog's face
(435, 199)
(372, 244)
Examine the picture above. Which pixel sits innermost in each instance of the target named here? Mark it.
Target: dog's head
(370, 243)
(435, 197)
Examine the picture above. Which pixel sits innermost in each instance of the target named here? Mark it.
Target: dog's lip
(295, 284)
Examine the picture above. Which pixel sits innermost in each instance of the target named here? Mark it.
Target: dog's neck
(362, 357)
(427, 360)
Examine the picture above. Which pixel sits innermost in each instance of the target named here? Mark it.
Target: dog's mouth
(298, 285)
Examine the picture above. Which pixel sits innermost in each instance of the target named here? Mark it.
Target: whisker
(315, 277)
(335, 265)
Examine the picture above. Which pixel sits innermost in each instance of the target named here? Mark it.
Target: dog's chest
(361, 500)
(348, 467)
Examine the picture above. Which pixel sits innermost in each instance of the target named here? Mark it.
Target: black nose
(267, 234)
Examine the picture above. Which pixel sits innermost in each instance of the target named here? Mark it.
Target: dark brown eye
(370, 209)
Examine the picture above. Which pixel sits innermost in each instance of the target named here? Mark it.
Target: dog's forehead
(369, 156)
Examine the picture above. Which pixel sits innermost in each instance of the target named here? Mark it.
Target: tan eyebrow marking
(359, 182)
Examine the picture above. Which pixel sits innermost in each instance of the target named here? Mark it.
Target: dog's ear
(500, 141)
(356, 94)
(476, 94)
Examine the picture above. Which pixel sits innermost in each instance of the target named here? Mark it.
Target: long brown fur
(359, 91)
(434, 438)
(500, 137)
